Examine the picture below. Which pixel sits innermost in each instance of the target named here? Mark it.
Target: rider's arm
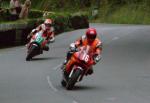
(98, 52)
(51, 36)
(99, 48)
(34, 31)
(79, 42)
(52, 32)
(37, 29)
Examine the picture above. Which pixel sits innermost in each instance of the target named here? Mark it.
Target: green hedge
(62, 22)
(4, 15)
(35, 14)
(65, 21)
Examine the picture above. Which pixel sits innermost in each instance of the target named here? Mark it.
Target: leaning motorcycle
(37, 42)
(82, 62)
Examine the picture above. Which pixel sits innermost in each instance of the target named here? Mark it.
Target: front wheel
(71, 82)
(30, 53)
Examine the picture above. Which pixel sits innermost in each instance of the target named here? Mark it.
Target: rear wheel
(71, 82)
(63, 83)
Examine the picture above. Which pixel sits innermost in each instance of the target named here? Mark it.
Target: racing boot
(69, 54)
(46, 48)
(65, 75)
(90, 71)
(63, 65)
(65, 78)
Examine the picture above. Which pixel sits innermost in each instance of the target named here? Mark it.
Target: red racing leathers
(95, 49)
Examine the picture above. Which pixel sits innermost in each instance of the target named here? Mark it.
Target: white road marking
(115, 38)
(57, 67)
(49, 81)
(51, 85)
(74, 102)
(112, 99)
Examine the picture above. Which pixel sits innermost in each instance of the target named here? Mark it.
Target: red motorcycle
(78, 66)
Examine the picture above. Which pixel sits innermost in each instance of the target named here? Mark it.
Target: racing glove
(51, 40)
(73, 47)
(97, 58)
(32, 33)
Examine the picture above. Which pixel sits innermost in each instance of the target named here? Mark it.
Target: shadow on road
(81, 87)
(45, 58)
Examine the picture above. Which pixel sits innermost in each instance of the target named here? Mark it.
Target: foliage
(62, 21)
(4, 16)
(127, 14)
(108, 10)
(65, 21)
(35, 14)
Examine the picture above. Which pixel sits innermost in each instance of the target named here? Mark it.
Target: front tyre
(71, 82)
(30, 53)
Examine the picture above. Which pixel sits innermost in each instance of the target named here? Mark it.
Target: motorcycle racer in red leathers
(89, 39)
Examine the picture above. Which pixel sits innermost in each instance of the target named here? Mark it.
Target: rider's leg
(67, 68)
(90, 71)
(68, 56)
(46, 47)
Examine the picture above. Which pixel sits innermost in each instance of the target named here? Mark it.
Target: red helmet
(48, 22)
(91, 33)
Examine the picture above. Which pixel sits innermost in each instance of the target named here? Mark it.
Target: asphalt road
(122, 76)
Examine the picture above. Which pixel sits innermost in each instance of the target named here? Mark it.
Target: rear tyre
(71, 82)
(63, 83)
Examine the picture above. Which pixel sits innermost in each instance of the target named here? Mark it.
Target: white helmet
(48, 22)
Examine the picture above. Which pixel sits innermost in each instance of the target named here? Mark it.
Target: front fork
(73, 70)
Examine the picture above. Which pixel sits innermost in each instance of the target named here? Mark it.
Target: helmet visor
(48, 25)
(91, 37)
